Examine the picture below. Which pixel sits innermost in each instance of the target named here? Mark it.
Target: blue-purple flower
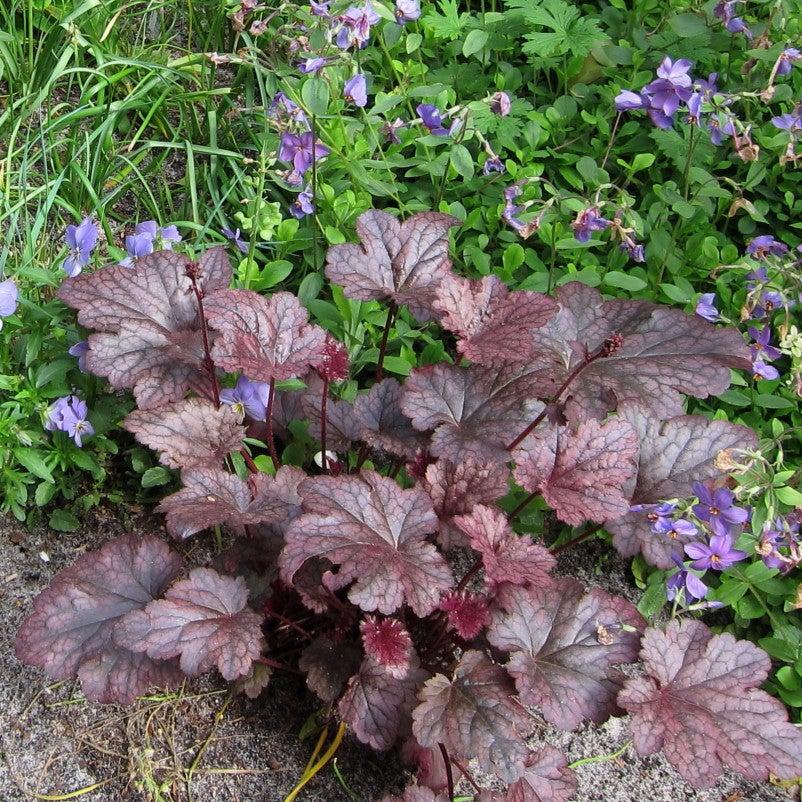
(762, 347)
(765, 245)
(725, 11)
(313, 66)
(287, 112)
(81, 240)
(236, 238)
(679, 529)
(147, 237)
(656, 513)
(69, 414)
(300, 150)
(787, 59)
(769, 302)
(718, 509)
(760, 370)
(406, 11)
(8, 299)
(303, 205)
(718, 554)
(247, 397)
(587, 221)
(320, 9)
(687, 583)
(500, 104)
(626, 100)
(430, 116)
(356, 24)
(80, 350)
(356, 90)
(137, 245)
(671, 87)
(706, 307)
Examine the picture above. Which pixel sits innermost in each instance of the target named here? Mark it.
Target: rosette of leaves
(397, 641)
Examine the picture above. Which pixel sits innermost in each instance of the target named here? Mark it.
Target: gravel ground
(175, 748)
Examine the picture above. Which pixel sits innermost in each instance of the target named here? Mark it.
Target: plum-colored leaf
(383, 423)
(328, 665)
(70, 630)
(583, 474)
(507, 557)
(455, 488)
(493, 325)
(203, 620)
(700, 704)
(388, 643)
(664, 353)
(377, 706)
(474, 411)
(417, 793)
(475, 716)
(264, 338)
(376, 533)
(342, 424)
(399, 262)
(468, 613)
(255, 681)
(212, 496)
(673, 455)
(546, 778)
(192, 433)
(146, 318)
(428, 765)
(564, 644)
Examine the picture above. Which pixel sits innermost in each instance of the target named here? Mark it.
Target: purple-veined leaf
(377, 706)
(204, 620)
(383, 425)
(417, 793)
(468, 613)
(584, 473)
(146, 317)
(493, 325)
(673, 455)
(192, 433)
(212, 496)
(70, 630)
(475, 716)
(564, 644)
(328, 665)
(664, 353)
(428, 765)
(700, 704)
(375, 531)
(507, 557)
(546, 778)
(456, 488)
(474, 411)
(387, 642)
(399, 262)
(253, 683)
(264, 338)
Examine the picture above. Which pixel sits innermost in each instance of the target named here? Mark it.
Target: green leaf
(315, 95)
(675, 293)
(412, 43)
(773, 402)
(397, 365)
(273, 273)
(513, 256)
(787, 495)
(63, 521)
(687, 25)
(44, 493)
(462, 161)
(153, 477)
(642, 161)
(624, 281)
(474, 42)
(33, 461)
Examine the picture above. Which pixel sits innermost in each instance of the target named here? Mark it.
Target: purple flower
(299, 150)
(695, 108)
(137, 246)
(786, 60)
(770, 300)
(431, 118)
(81, 240)
(8, 298)
(725, 11)
(717, 509)
(493, 164)
(588, 221)
(670, 88)
(356, 90)
(627, 100)
(164, 236)
(406, 11)
(737, 25)
(686, 583)
(313, 66)
(789, 122)
(302, 205)
(500, 104)
(236, 238)
(357, 23)
(760, 370)
(287, 111)
(718, 554)
(68, 414)
(80, 350)
(765, 245)
(719, 130)
(705, 307)
(708, 87)
(656, 513)
(762, 347)
(633, 249)
(247, 396)
(391, 129)
(679, 530)
(319, 9)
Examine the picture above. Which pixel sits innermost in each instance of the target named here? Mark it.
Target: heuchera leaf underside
(475, 716)
(673, 455)
(146, 318)
(399, 262)
(665, 353)
(212, 496)
(376, 533)
(70, 630)
(377, 706)
(492, 324)
(701, 705)
(328, 665)
(546, 778)
(507, 557)
(266, 338)
(584, 473)
(564, 644)
(192, 433)
(203, 620)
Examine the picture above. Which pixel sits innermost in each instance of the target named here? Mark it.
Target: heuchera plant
(348, 574)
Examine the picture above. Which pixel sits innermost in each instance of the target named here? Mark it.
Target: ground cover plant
(504, 279)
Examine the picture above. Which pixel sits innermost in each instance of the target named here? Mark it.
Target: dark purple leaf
(700, 704)
(584, 473)
(673, 455)
(377, 706)
(257, 679)
(399, 262)
(149, 336)
(475, 716)
(192, 433)
(376, 533)
(264, 338)
(328, 665)
(493, 325)
(547, 778)
(468, 613)
(417, 793)
(564, 643)
(203, 620)
(387, 642)
(507, 557)
(70, 629)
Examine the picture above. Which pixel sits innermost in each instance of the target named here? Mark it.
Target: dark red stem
(207, 353)
(523, 505)
(277, 665)
(271, 441)
(383, 345)
(573, 542)
(467, 774)
(364, 450)
(449, 773)
(323, 405)
(472, 572)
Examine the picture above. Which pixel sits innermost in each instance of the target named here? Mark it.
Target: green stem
(600, 758)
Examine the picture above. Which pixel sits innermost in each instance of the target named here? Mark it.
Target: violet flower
(247, 397)
(587, 221)
(80, 350)
(68, 414)
(760, 370)
(302, 205)
(791, 122)
(287, 112)
(655, 513)
(633, 249)
(705, 307)
(671, 87)
(356, 90)
(236, 238)
(500, 104)
(9, 295)
(313, 66)
(165, 237)
(679, 530)
(718, 554)
(687, 583)
(391, 129)
(493, 164)
(762, 348)
(725, 11)
(299, 150)
(765, 245)
(717, 508)
(770, 300)
(81, 240)
(137, 246)
(357, 23)
(320, 9)
(627, 100)
(786, 60)
(406, 11)
(719, 130)
(431, 118)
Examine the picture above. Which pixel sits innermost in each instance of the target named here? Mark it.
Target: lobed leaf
(417, 793)
(546, 778)
(328, 665)
(387, 642)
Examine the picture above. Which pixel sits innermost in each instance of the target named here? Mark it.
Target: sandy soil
(176, 748)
